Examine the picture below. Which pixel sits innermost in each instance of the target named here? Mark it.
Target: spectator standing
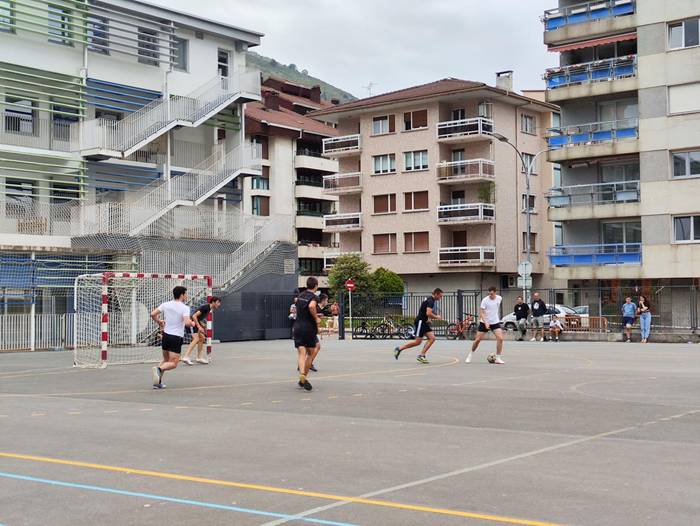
(629, 312)
(539, 309)
(644, 311)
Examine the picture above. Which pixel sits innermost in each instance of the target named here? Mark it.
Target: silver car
(508, 321)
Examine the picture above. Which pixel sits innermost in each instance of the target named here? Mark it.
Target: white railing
(342, 144)
(594, 194)
(330, 257)
(34, 132)
(464, 127)
(476, 212)
(465, 170)
(50, 331)
(351, 221)
(37, 218)
(479, 255)
(161, 114)
(188, 154)
(342, 183)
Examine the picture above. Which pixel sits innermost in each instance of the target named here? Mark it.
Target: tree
(385, 281)
(346, 267)
(292, 66)
(304, 71)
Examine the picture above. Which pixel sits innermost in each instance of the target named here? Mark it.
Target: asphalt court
(567, 433)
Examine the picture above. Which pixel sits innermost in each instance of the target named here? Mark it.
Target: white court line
(471, 469)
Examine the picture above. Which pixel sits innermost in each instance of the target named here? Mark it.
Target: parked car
(508, 321)
(582, 310)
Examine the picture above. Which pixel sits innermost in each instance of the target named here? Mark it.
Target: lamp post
(528, 167)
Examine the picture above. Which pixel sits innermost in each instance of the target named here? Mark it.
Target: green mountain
(290, 72)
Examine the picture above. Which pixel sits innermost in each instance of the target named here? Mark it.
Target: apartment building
(426, 189)
(290, 145)
(626, 208)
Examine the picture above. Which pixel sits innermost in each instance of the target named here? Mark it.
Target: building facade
(291, 184)
(426, 190)
(626, 209)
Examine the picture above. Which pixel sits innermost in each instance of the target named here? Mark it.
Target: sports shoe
(541, 340)
(519, 340)
(204, 361)
(303, 382)
(468, 359)
(629, 341)
(187, 361)
(313, 368)
(397, 351)
(533, 340)
(499, 361)
(422, 359)
(157, 376)
(159, 386)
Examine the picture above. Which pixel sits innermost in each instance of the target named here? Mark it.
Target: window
(686, 229)
(528, 124)
(415, 120)
(684, 98)
(416, 200)
(531, 202)
(621, 232)
(108, 115)
(684, 34)
(7, 16)
(556, 175)
(384, 164)
(558, 234)
(686, 164)
(384, 243)
(260, 183)
(385, 204)
(485, 109)
(417, 160)
(223, 62)
(98, 34)
(458, 114)
(458, 197)
(60, 24)
(261, 205)
(533, 242)
(148, 46)
(416, 242)
(556, 120)
(19, 115)
(20, 196)
(63, 117)
(382, 125)
(528, 158)
(62, 192)
(180, 52)
(310, 267)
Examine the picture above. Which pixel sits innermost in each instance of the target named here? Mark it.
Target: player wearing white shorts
(489, 320)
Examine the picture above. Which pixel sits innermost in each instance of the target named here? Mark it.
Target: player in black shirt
(422, 328)
(199, 331)
(522, 311)
(305, 329)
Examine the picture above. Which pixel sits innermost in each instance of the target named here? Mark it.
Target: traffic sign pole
(350, 286)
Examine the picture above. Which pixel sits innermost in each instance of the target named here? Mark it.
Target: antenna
(369, 87)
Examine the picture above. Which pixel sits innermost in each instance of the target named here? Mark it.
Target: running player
(306, 329)
(322, 302)
(489, 320)
(176, 314)
(422, 327)
(199, 331)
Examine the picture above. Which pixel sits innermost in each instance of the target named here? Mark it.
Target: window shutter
(392, 123)
(392, 202)
(381, 204)
(392, 243)
(408, 242)
(264, 206)
(381, 243)
(408, 201)
(420, 242)
(420, 119)
(421, 200)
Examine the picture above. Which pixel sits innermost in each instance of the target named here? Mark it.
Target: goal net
(112, 322)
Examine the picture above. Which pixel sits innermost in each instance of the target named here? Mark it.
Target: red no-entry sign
(350, 285)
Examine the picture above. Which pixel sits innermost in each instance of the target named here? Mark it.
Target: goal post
(112, 322)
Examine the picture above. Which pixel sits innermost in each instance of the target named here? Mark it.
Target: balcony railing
(593, 133)
(589, 72)
(458, 171)
(594, 194)
(467, 256)
(330, 257)
(35, 132)
(586, 12)
(342, 183)
(342, 144)
(310, 182)
(311, 213)
(596, 255)
(342, 222)
(309, 152)
(462, 213)
(464, 128)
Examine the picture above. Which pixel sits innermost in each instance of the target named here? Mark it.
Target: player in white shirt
(489, 320)
(176, 314)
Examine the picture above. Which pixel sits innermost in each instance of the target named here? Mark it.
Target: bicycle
(464, 329)
(363, 330)
(388, 328)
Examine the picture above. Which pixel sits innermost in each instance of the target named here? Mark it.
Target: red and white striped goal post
(106, 276)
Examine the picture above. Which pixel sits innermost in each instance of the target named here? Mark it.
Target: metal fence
(24, 332)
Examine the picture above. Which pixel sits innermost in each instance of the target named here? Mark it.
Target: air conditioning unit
(509, 282)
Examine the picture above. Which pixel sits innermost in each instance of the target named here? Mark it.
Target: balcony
(313, 160)
(33, 132)
(465, 130)
(467, 257)
(343, 146)
(459, 172)
(311, 219)
(594, 201)
(588, 20)
(596, 139)
(351, 222)
(596, 255)
(342, 184)
(592, 79)
(460, 214)
(330, 257)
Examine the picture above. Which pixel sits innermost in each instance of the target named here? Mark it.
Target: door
(459, 238)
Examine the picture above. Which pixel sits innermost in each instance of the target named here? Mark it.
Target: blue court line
(210, 505)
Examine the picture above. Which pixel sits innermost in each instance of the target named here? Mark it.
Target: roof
(302, 101)
(287, 119)
(447, 86)
(188, 20)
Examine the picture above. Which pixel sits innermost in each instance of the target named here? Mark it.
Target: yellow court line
(274, 489)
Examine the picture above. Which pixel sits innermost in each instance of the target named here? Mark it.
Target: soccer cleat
(157, 376)
(204, 361)
(313, 368)
(397, 352)
(422, 359)
(468, 359)
(159, 386)
(499, 361)
(533, 340)
(187, 361)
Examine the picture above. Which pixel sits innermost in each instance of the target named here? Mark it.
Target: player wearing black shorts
(489, 320)
(305, 331)
(422, 328)
(199, 331)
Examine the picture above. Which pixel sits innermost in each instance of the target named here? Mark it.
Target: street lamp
(528, 166)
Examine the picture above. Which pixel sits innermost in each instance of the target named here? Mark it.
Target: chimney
(315, 93)
(271, 100)
(335, 102)
(504, 80)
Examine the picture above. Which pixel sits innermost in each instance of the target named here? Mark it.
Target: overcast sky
(393, 43)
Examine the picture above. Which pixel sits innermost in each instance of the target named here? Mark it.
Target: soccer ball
(491, 358)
